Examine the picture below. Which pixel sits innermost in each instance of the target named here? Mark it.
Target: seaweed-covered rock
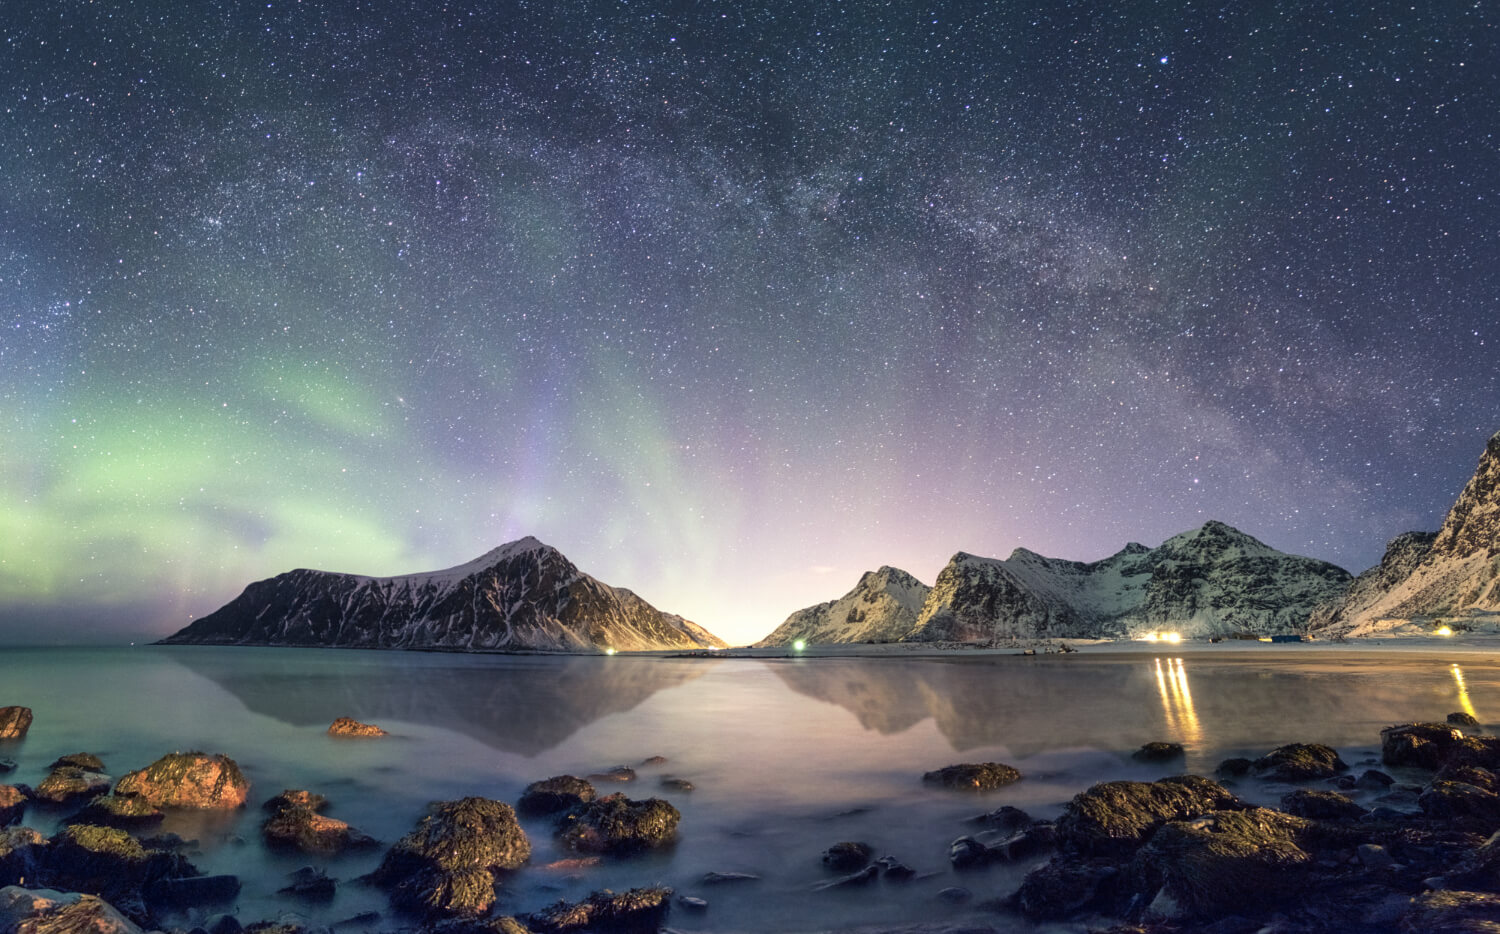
(1114, 818)
(1234, 767)
(1460, 718)
(638, 911)
(21, 854)
(188, 780)
(619, 773)
(1478, 751)
(110, 863)
(127, 812)
(14, 722)
(1065, 886)
(1424, 745)
(848, 856)
(80, 760)
(1470, 775)
(1159, 752)
(1452, 912)
(45, 911)
(1462, 804)
(973, 776)
(447, 865)
(1321, 805)
(303, 829)
(310, 883)
(617, 824)
(558, 793)
(348, 726)
(295, 798)
(70, 783)
(1299, 762)
(1223, 862)
(673, 783)
(12, 804)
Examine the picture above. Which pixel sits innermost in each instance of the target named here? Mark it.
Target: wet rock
(192, 891)
(654, 760)
(974, 776)
(893, 870)
(955, 894)
(1459, 718)
(863, 876)
(1299, 762)
(447, 865)
(676, 784)
(287, 923)
(637, 911)
(719, 878)
(558, 793)
(14, 722)
(12, 805)
(188, 780)
(79, 760)
(7, 765)
(1063, 887)
(967, 853)
(223, 924)
(1006, 817)
(21, 854)
(1224, 862)
(848, 856)
(1321, 805)
(70, 783)
(110, 863)
(1480, 751)
(692, 902)
(348, 726)
(1374, 856)
(617, 824)
(1469, 775)
(303, 829)
(1424, 745)
(1159, 752)
(1461, 804)
(294, 798)
(309, 882)
(1452, 912)
(46, 911)
(1234, 768)
(620, 774)
(1025, 844)
(124, 811)
(1114, 818)
(1374, 780)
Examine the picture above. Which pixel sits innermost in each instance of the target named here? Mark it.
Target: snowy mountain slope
(1214, 580)
(882, 607)
(523, 595)
(1456, 576)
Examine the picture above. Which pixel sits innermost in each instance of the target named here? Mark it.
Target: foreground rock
(21, 852)
(295, 824)
(12, 805)
(1299, 762)
(1223, 863)
(188, 780)
(70, 783)
(348, 726)
(14, 722)
(448, 864)
(617, 824)
(127, 812)
(44, 911)
(638, 911)
(111, 863)
(980, 776)
(1114, 818)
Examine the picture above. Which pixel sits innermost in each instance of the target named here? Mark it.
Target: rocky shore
(1409, 843)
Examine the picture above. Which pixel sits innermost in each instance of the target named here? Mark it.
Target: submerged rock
(638, 911)
(295, 798)
(348, 726)
(1321, 805)
(863, 876)
(620, 773)
(188, 780)
(81, 760)
(1460, 718)
(1224, 862)
(14, 722)
(45, 911)
(617, 824)
(671, 783)
(12, 805)
(70, 783)
(1113, 818)
(1424, 745)
(1461, 804)
(127, 812)
(848, 856)
(718, 878)
(974, 776)
(1299, 762)
(1159, 752)
(447, 865)
(558, 793)
(7, 765)
(303, 829)
(311, 883)
(1452, 912)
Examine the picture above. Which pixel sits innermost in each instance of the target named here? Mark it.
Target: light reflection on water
(788, 755)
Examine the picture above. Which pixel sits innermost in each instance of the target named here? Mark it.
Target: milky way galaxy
(728, 301)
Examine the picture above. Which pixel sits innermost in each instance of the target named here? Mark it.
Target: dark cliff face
(527, 596)
(1473, 524)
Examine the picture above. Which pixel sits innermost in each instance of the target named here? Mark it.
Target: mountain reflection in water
(1124, 701)
(515, 703)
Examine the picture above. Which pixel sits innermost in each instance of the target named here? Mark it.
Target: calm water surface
(789, 755)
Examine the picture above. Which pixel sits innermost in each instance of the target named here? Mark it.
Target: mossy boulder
(1159, 752)
(1461, 718)
(127, 812)
(617, 824)
(558, 793)
(70, 783)
(80, 760)
(348, 726)
(447, 865)
(1299, 762)
(192, 780)
(1223, 863)
(14, 722)
(1423, 745)
(1065, 886)
(848, 856)
(638, 911)
(1321, 805)
(295, 798)
(973, 776)
(1114, 818)
(111, 863)
(307, 831)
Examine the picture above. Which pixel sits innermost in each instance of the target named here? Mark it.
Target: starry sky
(728, 301)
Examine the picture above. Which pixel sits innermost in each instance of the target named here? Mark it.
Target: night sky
(728, 301)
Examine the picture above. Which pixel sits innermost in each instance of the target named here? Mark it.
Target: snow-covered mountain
(1213, 580)
(1456, 576)
(882, 607)
(524, 595)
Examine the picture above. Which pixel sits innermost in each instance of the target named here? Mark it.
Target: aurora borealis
(729, 302)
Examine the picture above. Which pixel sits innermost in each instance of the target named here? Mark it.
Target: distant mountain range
(524, 595)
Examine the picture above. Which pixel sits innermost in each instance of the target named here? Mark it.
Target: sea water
(788, 755)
